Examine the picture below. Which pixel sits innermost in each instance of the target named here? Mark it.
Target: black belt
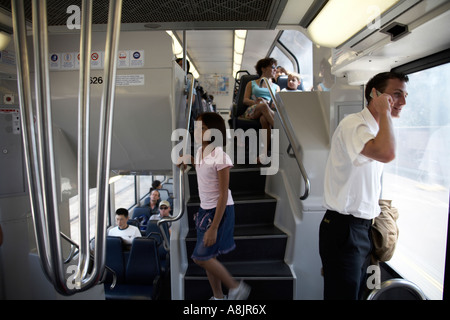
(349, 218)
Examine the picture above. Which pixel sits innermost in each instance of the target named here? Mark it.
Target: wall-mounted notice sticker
(77, 61)
(13, 116)
(55, 61)
(123, 59)
(137, 58)
(96, 60)
(130, 80)
(68, 61)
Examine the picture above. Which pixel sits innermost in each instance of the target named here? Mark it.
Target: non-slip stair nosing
(242, 277)
(243, 201)
(234, 169)
(259, 237)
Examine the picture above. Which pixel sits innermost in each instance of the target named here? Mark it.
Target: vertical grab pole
(45, 139)
(29, 136)
(83, 136)
(105, 134)
(39, 154)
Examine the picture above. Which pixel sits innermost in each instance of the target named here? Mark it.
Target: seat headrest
(243, 83)
(282, 82)
(140, 211)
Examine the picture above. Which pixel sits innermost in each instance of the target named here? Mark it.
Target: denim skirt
(225, 241)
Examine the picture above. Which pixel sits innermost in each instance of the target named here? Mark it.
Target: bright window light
(239, 45)
(5, 39)
(339, 20)
(177, 49)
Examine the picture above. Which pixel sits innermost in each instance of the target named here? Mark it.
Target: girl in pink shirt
(215, 219)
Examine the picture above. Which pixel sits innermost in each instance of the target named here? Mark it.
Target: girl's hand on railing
(185, 160)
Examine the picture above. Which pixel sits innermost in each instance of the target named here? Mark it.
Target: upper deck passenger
(257, 97)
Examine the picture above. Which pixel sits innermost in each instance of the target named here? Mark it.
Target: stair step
(252, 243)
(248, 231)
(247, 270)
(258, 258)
(269, 280)
(243, 180)
(249, 209)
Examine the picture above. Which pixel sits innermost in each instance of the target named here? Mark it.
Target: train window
(124, 197)
(145, 183)
(302, 48)
(418, 181)
(74, 215)
(125, 192)
(282, 59)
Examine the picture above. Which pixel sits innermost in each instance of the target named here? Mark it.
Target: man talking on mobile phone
(360, 146)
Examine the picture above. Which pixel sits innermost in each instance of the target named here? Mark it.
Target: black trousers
(344, 244)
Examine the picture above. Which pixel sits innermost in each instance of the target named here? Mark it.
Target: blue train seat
(154, 231)
(239, 109)
(141, 279)
(141, 216)
(168, 187)
(115, 259)
(143, 270)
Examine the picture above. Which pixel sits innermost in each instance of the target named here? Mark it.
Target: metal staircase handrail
(181, 188)
(292, 141)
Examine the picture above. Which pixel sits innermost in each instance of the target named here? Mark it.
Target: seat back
(140, 211)
(115, 258)
(152, 226)
(140, 215)
(282, 82)
(240, 106)
(143, 264)
(164, 194)
(152, 229)
(168, 187)
(133, 222)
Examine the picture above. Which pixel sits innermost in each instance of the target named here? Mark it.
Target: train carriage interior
(82, 137)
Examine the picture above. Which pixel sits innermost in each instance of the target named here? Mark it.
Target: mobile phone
(378, 94)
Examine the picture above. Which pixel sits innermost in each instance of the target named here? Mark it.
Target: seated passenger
(188, 65)
(123, 229)
(156, 185)
(164, 211)
(280, 72)
(154, 201)
(258, 98)
(293, 83)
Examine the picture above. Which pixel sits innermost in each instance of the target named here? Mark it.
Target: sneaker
(224, 298)
(240, 293)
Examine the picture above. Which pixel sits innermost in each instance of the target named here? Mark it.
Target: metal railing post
(105, 134)
(45, 139)
(293, 143)
(29, 136)
(38, 148)
(181, 193)
(83, 135)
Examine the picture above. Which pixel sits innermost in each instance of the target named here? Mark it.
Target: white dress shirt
(353, 181)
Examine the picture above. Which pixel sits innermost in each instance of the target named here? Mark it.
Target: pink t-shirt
(208, 178)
